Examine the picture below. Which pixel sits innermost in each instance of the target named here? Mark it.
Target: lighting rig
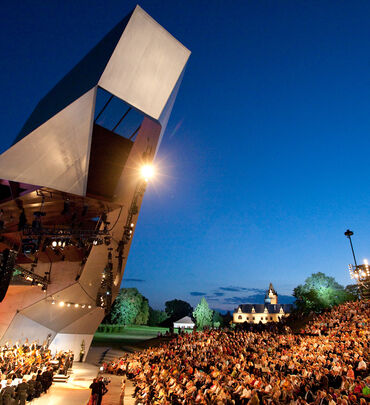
(104, 295)
(61, 237)
(31, 276)
(359, 272)
(147, 172)
(36, 237)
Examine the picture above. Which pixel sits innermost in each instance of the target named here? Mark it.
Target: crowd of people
(326, 364)
(27, 371)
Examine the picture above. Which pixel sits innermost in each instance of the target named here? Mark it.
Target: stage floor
(74, 392)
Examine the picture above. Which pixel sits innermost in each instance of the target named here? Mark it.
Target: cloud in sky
(256, 299)
(230, 296)
(241, 289)
(233, 289)
(239, 300)
(216, 299)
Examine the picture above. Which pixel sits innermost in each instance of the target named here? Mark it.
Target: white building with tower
(270, 311)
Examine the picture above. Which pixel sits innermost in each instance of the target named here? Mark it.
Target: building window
(270, 318)
(254, 318)
(240, 317)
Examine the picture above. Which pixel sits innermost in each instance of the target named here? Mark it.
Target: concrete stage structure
(72, 184)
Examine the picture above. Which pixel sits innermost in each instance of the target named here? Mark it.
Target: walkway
(114, 390)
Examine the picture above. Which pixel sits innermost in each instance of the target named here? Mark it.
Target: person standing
(102, 390)
(98, 389)
(8, 394)
(94, 392)
(22, 392)
(122, 395)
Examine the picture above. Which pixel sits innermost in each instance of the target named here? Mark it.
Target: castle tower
(271, 296)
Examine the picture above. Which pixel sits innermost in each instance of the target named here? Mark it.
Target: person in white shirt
(361, 365)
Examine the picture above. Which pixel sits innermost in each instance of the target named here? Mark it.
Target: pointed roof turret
(271, 288)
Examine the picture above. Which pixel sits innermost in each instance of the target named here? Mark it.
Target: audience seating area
(327, 363)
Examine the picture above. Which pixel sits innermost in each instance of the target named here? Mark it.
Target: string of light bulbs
(69, 304)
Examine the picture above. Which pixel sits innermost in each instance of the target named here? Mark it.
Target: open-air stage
(76, 391)
(71, 188)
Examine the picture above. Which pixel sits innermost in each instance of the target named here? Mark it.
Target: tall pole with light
(349, 233)
(359, 272)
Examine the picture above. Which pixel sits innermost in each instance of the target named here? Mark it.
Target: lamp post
(361, 272)
(349, 233)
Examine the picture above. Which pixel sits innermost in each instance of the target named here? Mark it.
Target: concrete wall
(71, 341)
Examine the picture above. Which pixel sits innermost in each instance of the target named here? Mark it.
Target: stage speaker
(7, 261)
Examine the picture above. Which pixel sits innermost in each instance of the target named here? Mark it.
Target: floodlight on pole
(349, 233)
(361, 272)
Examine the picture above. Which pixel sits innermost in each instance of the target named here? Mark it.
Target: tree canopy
(130, 308)
(203, 314)
(217, 319)
(177, 309)
(156, 317)
(319, 292)
(353, 291)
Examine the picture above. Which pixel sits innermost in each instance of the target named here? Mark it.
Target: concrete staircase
(111, 355)
(99, 354)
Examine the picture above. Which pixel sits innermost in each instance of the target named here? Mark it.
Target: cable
(119, 215)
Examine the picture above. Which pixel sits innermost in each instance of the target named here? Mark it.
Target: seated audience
(327, 363)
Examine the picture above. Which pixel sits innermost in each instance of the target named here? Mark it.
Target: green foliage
(319, 292)
(143, 315)
(178, 309)
(353, 291)
(156, 317)
(203, 314)
(217, 319)
(130, 308)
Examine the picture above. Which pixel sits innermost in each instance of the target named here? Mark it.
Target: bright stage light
(61, 304)
(147, 171)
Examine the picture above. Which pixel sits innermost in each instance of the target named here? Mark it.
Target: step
(60, 378)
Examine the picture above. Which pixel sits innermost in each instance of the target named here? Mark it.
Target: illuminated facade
(270, 311)
(72, 184)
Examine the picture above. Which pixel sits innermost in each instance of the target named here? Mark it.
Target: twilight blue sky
(265, 162)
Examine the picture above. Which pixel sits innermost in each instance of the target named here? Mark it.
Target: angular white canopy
(138, 62)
